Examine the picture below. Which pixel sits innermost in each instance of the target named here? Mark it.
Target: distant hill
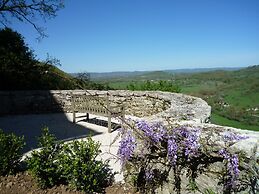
(42, 77)
(233, 93)
(200, 70)
(107, 75)
(151, 74)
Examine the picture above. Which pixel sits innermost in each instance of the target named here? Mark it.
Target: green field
(120, 85)
(233, 95)
(217, 119)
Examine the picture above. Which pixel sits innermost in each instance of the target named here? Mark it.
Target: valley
(233, 94)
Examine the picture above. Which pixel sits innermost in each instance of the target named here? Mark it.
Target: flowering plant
(151, 153)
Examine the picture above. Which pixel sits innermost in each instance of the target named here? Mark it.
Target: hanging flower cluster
(127, 147)
(172, 149)
(188, 140)
(232, 167)
(180, 140)
(155, 131)
(232, 137)
(149, 175)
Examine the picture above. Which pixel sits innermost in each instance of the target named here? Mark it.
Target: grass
(219, 120)
(242, 98)
(198, 88)
(119, 85)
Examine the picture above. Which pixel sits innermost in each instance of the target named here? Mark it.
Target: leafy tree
(84, 76)
(15, 58)
(19, 70)
(12, 46)
(28, 10)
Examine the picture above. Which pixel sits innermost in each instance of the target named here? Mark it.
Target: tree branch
(25, 11)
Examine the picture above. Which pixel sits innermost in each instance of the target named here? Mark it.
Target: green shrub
(71, 163)
(10, 152)
(81, 168)
(43, 164)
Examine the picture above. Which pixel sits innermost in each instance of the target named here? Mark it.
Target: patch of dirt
(120, 189)
(23, 183)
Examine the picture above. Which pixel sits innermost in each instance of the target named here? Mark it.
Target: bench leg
(87, 116)
(74, 117)
(109, 124)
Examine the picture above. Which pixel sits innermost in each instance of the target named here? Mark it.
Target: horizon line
(176, 69)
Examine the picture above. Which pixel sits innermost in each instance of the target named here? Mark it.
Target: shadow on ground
(98, 121)
(27, 112)
(30, 127)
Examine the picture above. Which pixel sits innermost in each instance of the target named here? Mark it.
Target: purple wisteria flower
(127, 147)
(189, 137)
(149, 175)
(234, 169)
(232, 166)
(230, 136)
(159, 132)
(181, 132)
(192, 142)
(183, 140)
(155, 131)
(145, 127)
(172, 149)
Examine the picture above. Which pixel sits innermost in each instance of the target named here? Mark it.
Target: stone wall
(154, 106)
(150, 105)
(31, 102)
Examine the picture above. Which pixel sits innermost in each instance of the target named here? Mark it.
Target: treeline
(161, 85)
(20, 70)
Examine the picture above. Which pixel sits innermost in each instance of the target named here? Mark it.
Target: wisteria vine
(180, 147)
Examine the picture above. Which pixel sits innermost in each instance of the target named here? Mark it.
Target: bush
(71, 163)
(81, 168)
(10, 152)
(43, 164)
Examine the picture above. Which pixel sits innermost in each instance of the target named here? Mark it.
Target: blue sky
(129, 35)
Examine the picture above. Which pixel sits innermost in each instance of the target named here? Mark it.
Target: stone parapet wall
(27, 102)
(152, 105)
(177, 109)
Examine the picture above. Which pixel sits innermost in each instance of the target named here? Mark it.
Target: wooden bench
(99, 105)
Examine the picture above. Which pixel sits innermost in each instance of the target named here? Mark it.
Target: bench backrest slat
(99, 105)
